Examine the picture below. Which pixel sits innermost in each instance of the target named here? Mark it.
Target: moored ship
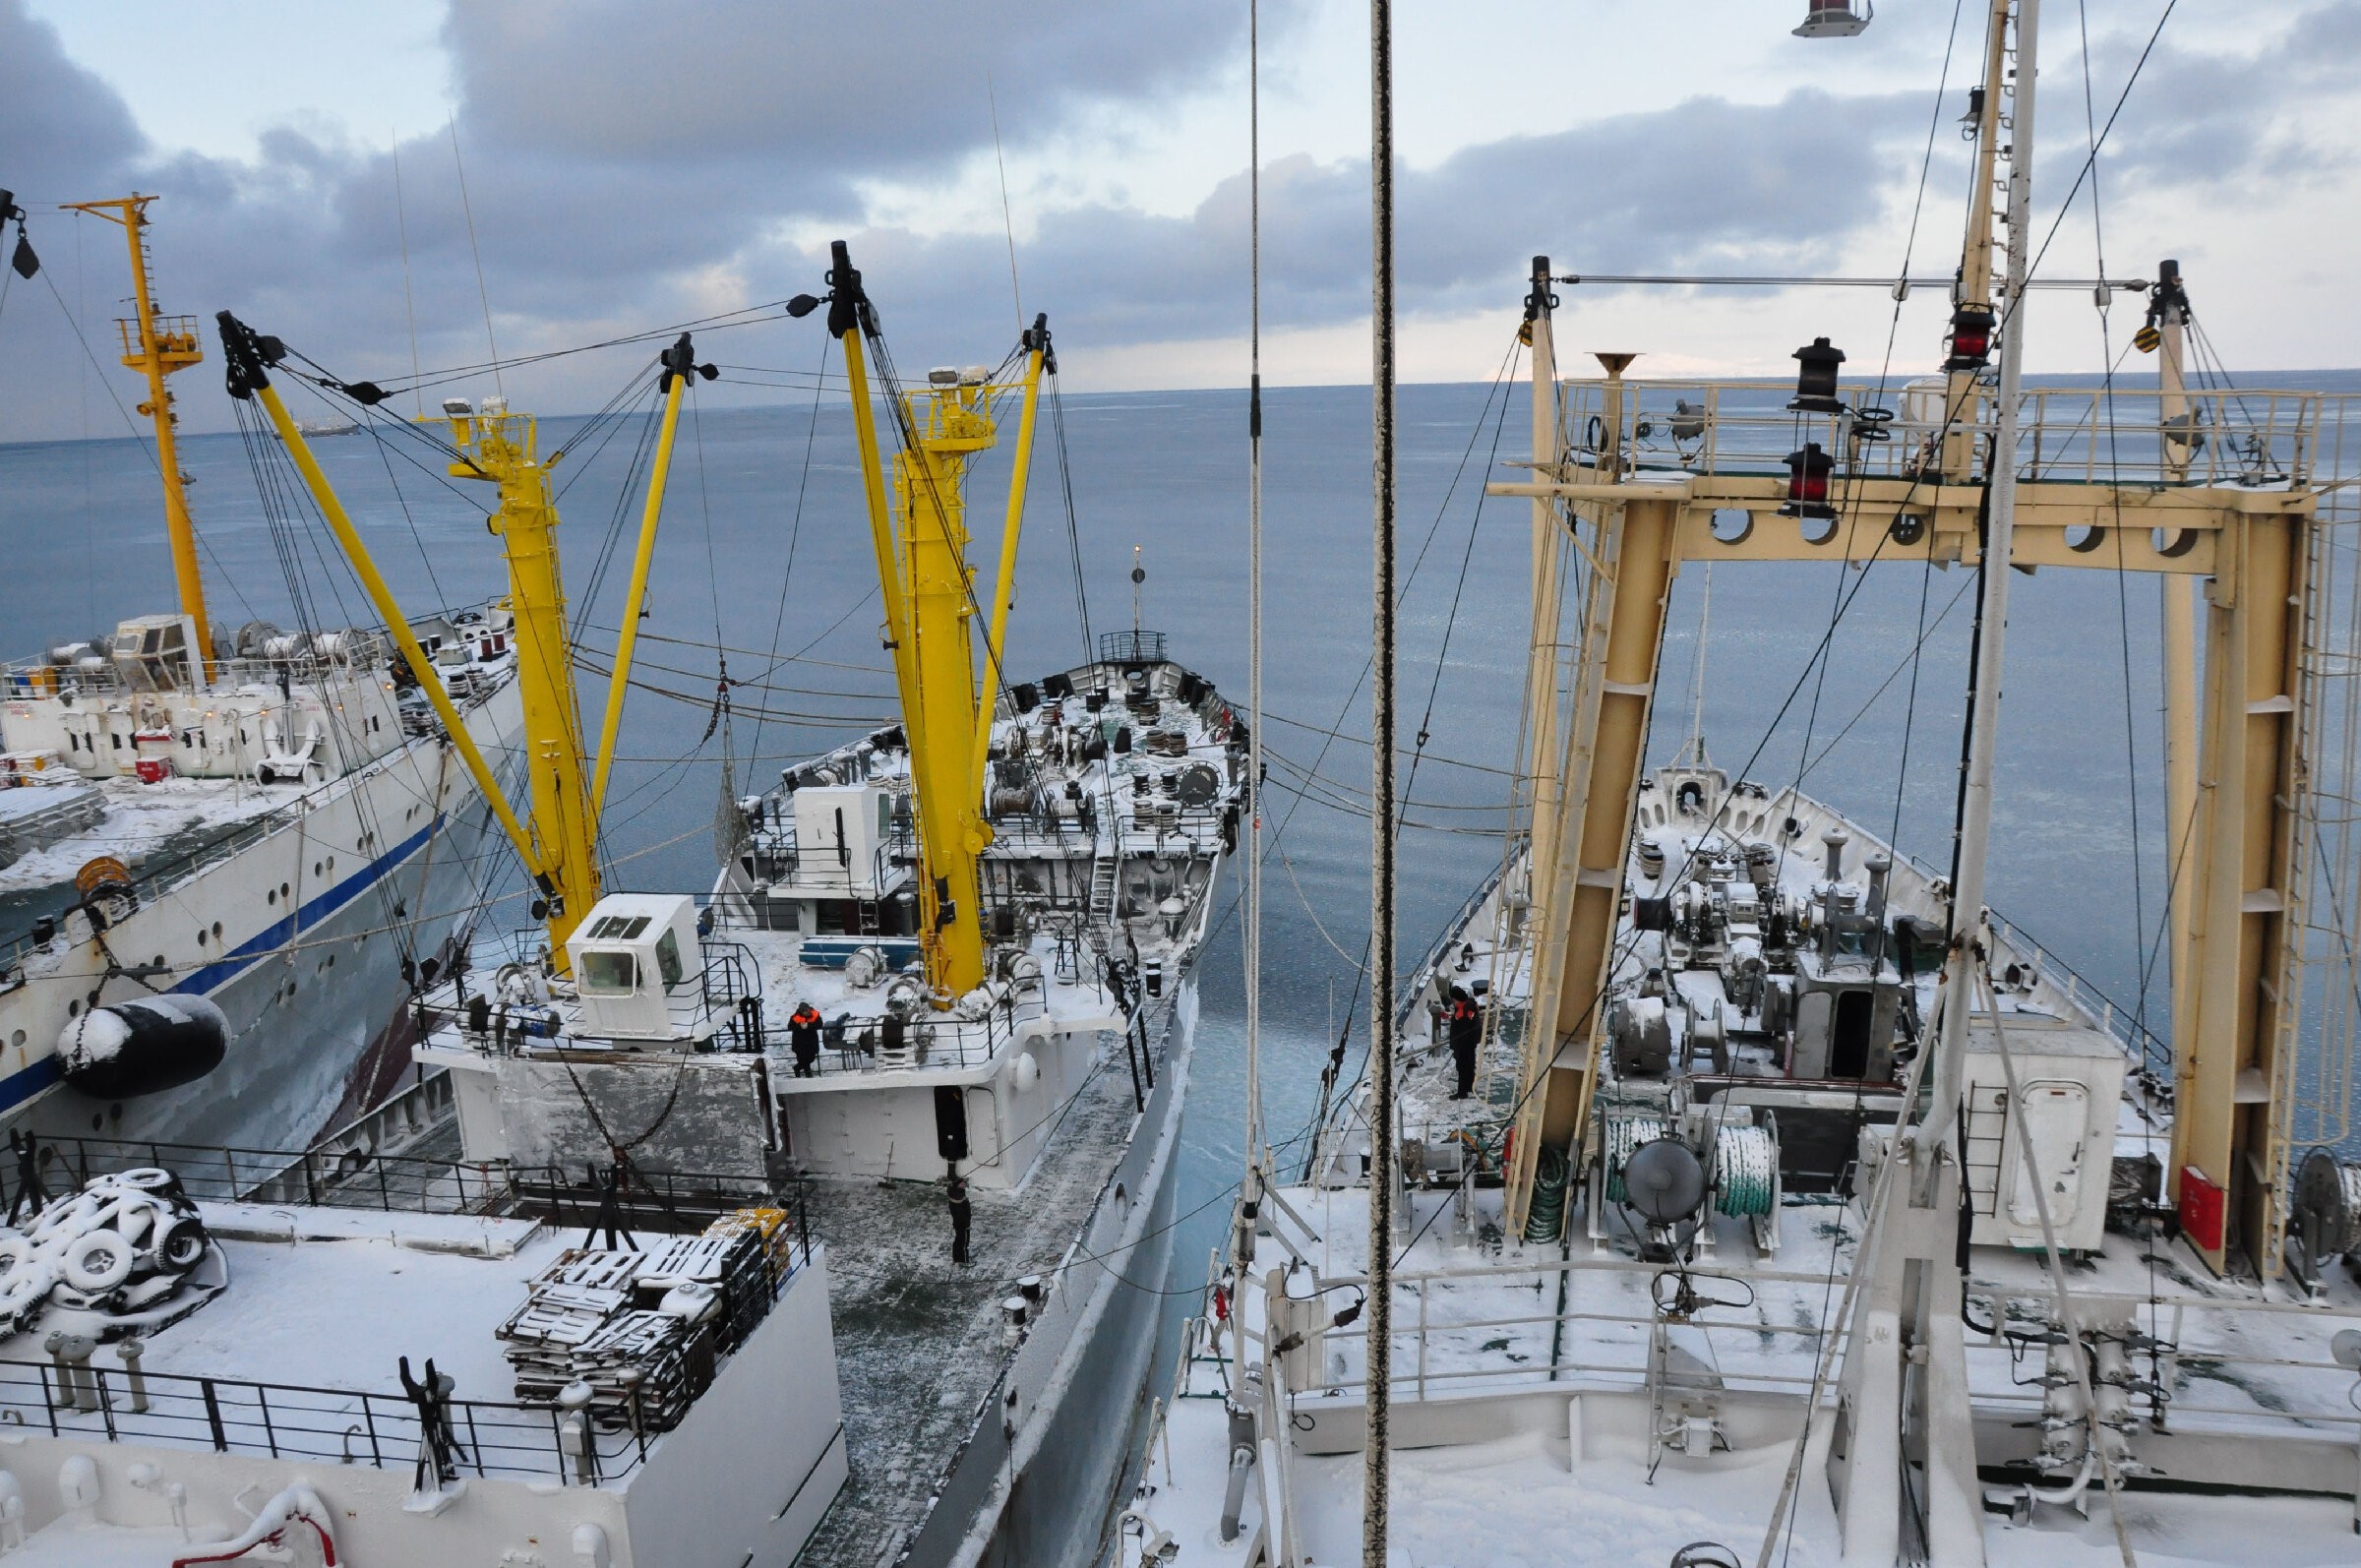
(1728, 1187)
(208, 827)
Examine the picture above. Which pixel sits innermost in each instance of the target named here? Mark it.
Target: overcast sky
(631, 165)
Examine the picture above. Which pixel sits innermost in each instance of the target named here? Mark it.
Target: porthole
(216, 931)
(17, 1040)
(201, 936)
(283, 890)
(271, 895)
(74, 1009)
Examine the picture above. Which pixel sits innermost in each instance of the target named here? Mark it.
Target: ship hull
(1044, 1496)
(313, 910)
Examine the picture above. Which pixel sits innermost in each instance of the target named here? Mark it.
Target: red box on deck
(2204, 1208)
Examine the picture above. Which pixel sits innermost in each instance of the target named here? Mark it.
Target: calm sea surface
(765, 552)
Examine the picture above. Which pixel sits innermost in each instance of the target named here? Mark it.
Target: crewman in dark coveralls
(1466, 1029)
(962, 1215)
(802, 1034)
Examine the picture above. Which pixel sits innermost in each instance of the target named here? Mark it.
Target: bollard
(131, 1350)
(574, 1431)
(78, 1382)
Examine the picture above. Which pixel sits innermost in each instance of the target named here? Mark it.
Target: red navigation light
(1971, 339)
(1807, 483)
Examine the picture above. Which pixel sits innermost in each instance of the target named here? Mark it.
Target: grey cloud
(1705, 182)
(2199, 114)
(878, 87)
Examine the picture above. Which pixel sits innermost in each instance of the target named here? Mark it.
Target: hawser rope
(1746, 1167)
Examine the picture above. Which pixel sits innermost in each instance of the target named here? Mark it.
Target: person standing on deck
(962, 1216)
(802, 1034)
(1467, 1030)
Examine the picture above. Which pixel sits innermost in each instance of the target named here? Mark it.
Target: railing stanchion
(212, 1416)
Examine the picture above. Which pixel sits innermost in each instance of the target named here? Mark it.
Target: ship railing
(1738, 1340)
(352, 1177)
(496, 1440)
(174, 335)
(1132, 647)
(778, 859)
(858, 1047)
(2074, 435)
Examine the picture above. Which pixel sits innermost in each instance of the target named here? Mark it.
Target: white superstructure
(986, 1400)
(235, 832)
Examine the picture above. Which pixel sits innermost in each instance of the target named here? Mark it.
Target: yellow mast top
(558, 839)
(156, 346)
(930, 596)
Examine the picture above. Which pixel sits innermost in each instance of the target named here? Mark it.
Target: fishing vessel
(203, 829)
(929, 1035)
(946, 975)
(1792, 1205)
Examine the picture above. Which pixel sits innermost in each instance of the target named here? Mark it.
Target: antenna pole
(409, 303)
(1376, 1462)
(1976, 797)
(1255, 589)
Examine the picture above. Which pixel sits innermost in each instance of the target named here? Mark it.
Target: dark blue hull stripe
(18, 1087)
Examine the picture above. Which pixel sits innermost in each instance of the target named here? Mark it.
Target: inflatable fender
(142, 1045)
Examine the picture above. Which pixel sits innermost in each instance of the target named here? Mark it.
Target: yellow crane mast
(156, 346)
(919, 534)
(559, 841)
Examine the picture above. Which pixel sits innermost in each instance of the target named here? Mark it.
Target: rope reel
(1745, 1171)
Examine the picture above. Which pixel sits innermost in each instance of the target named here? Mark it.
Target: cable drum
(1745, 1171)
(1624, 1134)
(2326, 1218)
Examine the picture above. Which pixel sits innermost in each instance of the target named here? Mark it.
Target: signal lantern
(1971, 339)
(1816, 379)
(1807, 483)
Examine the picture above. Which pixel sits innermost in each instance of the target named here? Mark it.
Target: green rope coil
(1745, 1171)
(1545, 1219)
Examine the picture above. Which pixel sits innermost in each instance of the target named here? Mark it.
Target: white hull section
(298, 935)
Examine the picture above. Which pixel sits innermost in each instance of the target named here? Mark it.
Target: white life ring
(14, 1254)
(97, 1262)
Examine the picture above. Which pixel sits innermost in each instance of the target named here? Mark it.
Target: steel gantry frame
(2237, 529)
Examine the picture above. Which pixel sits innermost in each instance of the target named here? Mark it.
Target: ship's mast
(2168, 315)
(558, 840)
(504, 449)
(930, 599)
(2014, 87)
(156, 346)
